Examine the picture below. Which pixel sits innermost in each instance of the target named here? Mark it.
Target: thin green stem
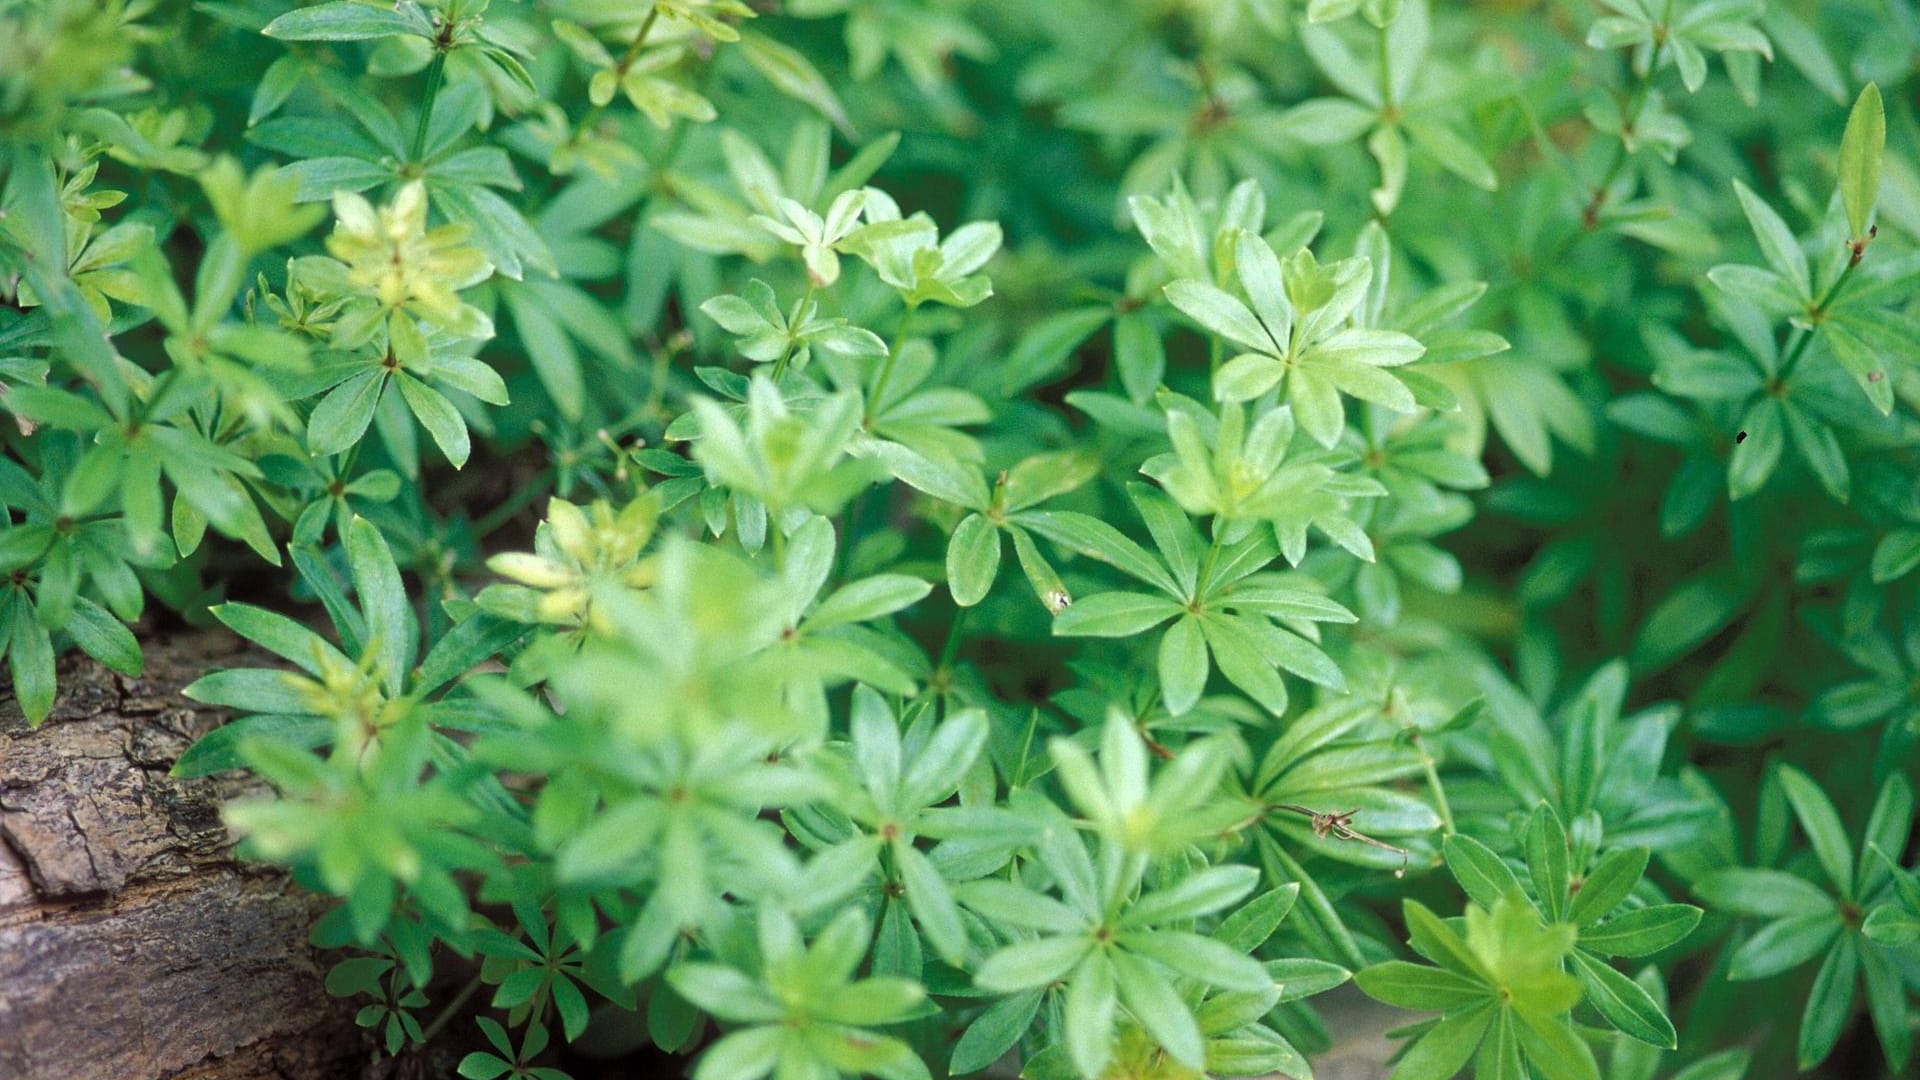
(1629, 119)
(620, 66)
(452, 1009)
(523, 496)
(1213, 556)
(1433, 784)
(952, 648)
(1817, 313)
(893, 354)
(799, 313)
(436, 76)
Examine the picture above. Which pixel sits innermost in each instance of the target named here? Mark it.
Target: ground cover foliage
(906, 537)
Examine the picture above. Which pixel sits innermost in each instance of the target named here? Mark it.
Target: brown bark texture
(132, 944)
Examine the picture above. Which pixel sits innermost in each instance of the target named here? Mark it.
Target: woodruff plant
(1486, 444)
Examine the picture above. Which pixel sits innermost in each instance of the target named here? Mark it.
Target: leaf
(1829, 1004)
(1622, 1001)
(1248, 928)
(973, 560)
(1784, 944)
(341, 418)
(1643, 931)
(383, 601)
(994, 1032)
(1861, 148)
(280, 635)
(1027, 964)
(1183, 662)
(1822, 825)
(30, 661)
(1417, 986)
(1548, 860)
(344, 20)
(793, 75)
(1219, 313)
(1096, 539)
(219, 750)
(1446, 1047)
(1607, 885)
(1767, 894)
(1158, 1007)
(1777, 243)
(1483, 875)
(1895, 556)
(1860, 361)
(104, 637)
(866, 600)
(1756, 449)
(438, 416)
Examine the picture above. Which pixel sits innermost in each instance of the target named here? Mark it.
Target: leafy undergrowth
(906, 537)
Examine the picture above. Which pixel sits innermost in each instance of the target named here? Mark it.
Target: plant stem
(620, 67)
(453, 1007)
(1629, 119)
(799, 312)
(952, 648)
(1213, 556)
(886, 369)
(1817, 313)
(1433, 784)
(436, 75)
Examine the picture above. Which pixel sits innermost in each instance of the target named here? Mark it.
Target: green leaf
(1114, 614)
(1643, 931)
(1895, 556)
(1756, 450)
(1607, 885)
(1829, 1004)
(383, 601)
(1417, 986)
(344, 20)
(1768, 894)
(1553, 1047)
(1248, 928)
(1860, 361)
(1158, 1006)
(1183, 663)
(1861, 148)
(1447, 1046)
(220, 749)
(994, 1032)
(281, 636)
(30, 661)
(1548, 860)
(932, 903)
(1483, 875)
(1822, 825)
(1091, 1002)
(1784, 944)
(1027, 964)
(793, 75)
(1624, 1003)
(438, 416)
(1096, 539)
(1777, 243)
(867, 599)
(341, 418)
(973, 560)
(103, 637)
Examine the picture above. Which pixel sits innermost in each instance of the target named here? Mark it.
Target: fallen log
(132, 944)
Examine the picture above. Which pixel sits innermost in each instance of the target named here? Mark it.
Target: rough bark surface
(132, 945)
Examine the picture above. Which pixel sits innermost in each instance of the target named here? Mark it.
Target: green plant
(1476, 437)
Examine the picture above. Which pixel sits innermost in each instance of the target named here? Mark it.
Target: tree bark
(132, 944)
